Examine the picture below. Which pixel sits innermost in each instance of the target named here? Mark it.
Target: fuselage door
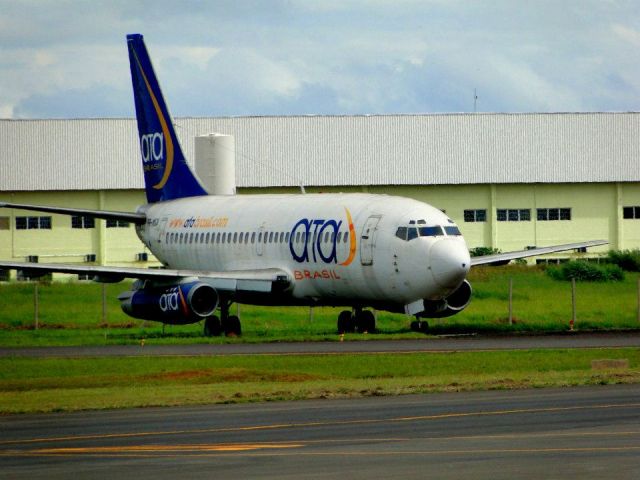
(162, 227)
(368, 239)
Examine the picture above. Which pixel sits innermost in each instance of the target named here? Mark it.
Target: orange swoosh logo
(165, 130)
(185, 308)
(352, 240)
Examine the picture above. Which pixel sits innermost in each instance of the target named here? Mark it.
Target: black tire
(421, 326)
(212, 327)
(346, 323)
(366, 322)
(232, 327)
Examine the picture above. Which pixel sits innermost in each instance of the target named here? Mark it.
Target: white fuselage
(339, 249)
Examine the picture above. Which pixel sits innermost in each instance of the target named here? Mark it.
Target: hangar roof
(441, 149)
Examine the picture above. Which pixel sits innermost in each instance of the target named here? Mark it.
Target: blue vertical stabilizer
(166, 173)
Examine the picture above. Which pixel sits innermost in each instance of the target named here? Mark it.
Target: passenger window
(286, 237)
(412, 233)
(401, 233)
(339, 237)
(253, 237)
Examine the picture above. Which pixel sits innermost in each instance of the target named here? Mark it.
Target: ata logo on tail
(150, 141)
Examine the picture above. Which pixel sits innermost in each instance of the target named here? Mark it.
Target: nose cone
(449, 262)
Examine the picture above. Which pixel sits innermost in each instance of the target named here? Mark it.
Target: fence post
(573, 304)
(638, 313)
(36, 304)
(104, 303)
(511, 301)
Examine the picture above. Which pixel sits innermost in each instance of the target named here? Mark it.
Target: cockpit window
(431, 231)
(413, 231)
(453, 231)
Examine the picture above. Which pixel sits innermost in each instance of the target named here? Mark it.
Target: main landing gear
(361, 321)
(227, 324)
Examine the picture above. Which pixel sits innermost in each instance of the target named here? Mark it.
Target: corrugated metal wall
(338, 150)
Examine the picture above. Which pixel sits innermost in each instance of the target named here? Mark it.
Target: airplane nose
(449, 262)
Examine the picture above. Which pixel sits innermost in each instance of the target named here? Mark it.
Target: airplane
(351, 250)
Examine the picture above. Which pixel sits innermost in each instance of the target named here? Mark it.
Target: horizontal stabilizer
(501, 258)
(137, 218)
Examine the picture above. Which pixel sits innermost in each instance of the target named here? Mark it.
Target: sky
(68, 59)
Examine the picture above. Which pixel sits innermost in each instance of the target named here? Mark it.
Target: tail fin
(166, 173)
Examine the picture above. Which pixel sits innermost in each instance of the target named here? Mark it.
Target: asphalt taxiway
(428, 344)
(588, 432)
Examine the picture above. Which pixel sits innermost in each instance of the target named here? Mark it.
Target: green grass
(71, 313)
(42, 385)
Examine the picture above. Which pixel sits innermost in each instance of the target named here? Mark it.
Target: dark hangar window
(32, 223)
(80, 221)
(631, 212)
(513, 214)
(475, 215)
(550, 214)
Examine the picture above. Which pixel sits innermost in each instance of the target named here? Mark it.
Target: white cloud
(292, 56)
(627, 34)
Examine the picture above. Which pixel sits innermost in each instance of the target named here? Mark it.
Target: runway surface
(589, 432)
(429, 344)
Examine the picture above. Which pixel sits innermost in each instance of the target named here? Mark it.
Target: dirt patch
(231, 375)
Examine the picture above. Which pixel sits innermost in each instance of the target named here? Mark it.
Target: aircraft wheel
(366, 322)
(346, 323)
(232, 327)
(421, 326)
(212, 327)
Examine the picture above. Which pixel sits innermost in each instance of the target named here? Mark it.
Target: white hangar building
(509, 180)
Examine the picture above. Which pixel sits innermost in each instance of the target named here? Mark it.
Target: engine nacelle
(454, 303)
(176, 304)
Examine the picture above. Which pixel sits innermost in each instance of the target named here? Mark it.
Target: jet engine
(454, 303)
(174, 304)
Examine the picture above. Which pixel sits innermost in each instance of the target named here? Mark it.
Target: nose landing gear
(421, 326)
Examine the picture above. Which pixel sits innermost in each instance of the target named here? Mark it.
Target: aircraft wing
(503, 258)
(258, 280)
(137, 218)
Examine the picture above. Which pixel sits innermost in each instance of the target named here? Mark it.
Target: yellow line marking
(282, 426)
(221, 447)
(342, 453)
